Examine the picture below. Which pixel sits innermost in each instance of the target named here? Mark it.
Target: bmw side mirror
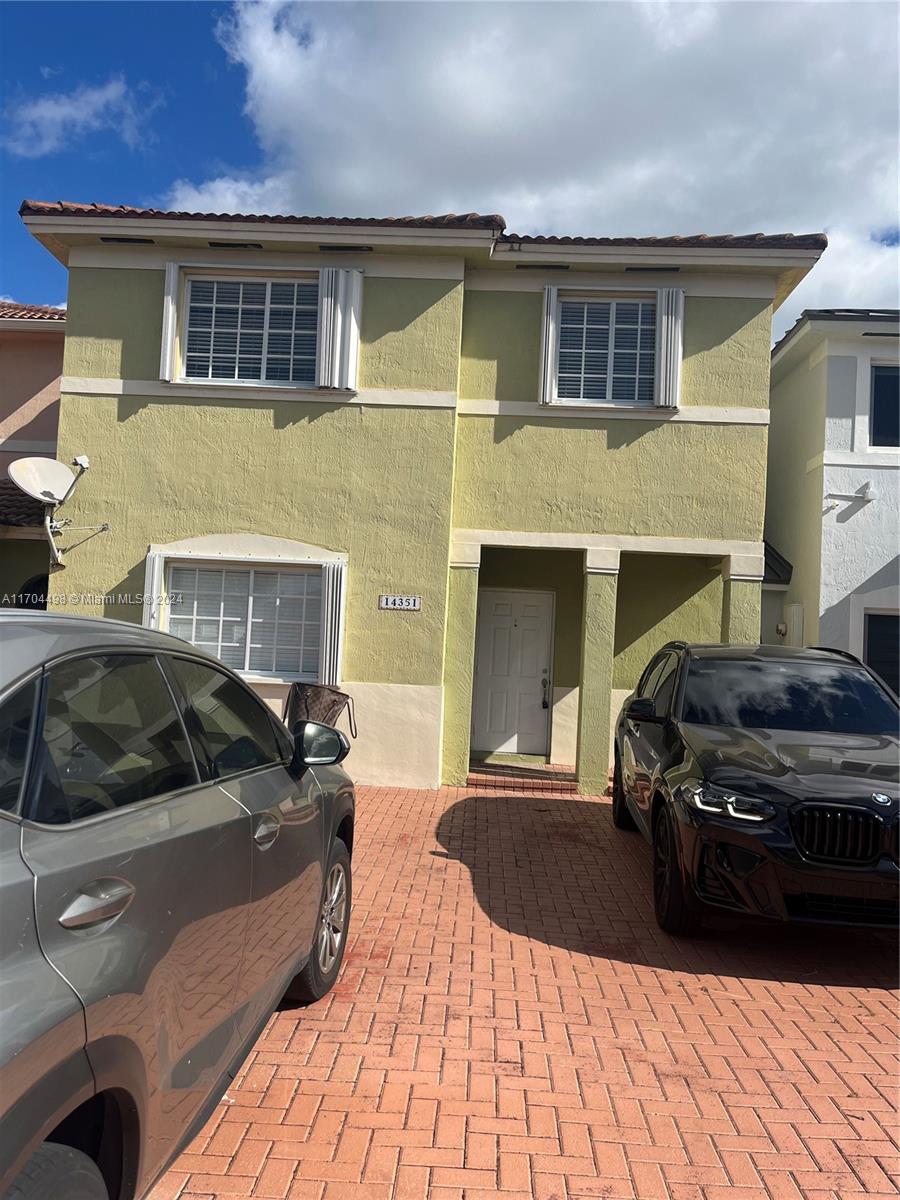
(319, 745)
(641, 709)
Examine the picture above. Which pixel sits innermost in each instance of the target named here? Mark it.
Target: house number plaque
(407, 603)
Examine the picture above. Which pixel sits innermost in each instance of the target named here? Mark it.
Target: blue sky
(705, 117)
(187, 116)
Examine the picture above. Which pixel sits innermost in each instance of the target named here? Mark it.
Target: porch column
(601, 575)
(459, 663)
(742, 576)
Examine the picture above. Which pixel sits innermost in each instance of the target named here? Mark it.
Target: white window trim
(337, 340)
(669, 342)
(216, 550)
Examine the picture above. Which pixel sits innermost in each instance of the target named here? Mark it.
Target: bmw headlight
(724, 803)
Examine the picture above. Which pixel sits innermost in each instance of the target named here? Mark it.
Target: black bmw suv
(766, 780)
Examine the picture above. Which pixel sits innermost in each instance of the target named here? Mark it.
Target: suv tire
(56, 1172)
(677, 910)
(622, 818)
(318, 976)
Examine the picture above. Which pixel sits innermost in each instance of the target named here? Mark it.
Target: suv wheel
(56, 1172)
(677, 911)
(622, 818)
(318, 976)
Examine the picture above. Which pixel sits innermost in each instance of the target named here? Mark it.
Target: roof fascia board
(32, 325)
(761, 259)
(257, 231)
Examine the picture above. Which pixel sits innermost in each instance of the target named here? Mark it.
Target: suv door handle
(96, 902)
(266, 831)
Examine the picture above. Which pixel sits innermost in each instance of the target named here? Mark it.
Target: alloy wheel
(333, 918)
(662, 863)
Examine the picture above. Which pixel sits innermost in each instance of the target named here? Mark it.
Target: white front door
(512, 672)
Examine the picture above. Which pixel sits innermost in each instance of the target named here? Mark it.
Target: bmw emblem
(881, 798)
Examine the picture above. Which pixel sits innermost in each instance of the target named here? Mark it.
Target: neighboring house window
(884, 418)
(252, 330)
(260, 620)
(601, 348)
(278, 331)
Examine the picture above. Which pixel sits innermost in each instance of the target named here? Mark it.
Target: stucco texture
(561, 474)
(372, 482)
(501, 346)
(661, 597)
(597, 649)
(726, 351)
(410, 333)
(114, 323)
(459, 673)
(795, 493)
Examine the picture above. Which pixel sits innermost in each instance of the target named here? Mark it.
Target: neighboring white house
(833, 494)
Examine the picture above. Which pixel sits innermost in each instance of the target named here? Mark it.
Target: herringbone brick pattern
(510, 1023)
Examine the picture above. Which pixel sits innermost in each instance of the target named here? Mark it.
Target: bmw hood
(789, 765)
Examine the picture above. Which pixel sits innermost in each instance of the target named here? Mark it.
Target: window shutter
(167, 351)
(333, 575)
(154, 575)
(670, 319)
(548, 346)
(340, 303)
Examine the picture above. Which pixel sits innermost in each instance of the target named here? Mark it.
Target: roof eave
(43, 325)
(52, 232)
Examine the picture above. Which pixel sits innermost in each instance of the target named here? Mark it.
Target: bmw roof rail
(836, 650)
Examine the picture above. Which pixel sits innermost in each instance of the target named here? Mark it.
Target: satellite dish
(43, 478)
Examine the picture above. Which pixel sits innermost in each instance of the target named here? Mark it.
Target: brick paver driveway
(510, 1022)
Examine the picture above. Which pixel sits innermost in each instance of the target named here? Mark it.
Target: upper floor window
(605, 348)
(607, 351)
(884, 413)
(252, 329)
(278, 331)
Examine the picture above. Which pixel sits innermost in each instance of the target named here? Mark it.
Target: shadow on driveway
(556, 870)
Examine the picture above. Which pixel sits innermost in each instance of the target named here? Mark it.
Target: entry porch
(544, 641)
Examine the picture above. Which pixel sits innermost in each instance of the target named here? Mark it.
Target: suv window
(665, 685)
(15, 726)
(811, 697)
(651, 676)
(110, 737)
(231, 730)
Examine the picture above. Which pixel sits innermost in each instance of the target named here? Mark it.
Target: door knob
(97, 902)
(266, 831)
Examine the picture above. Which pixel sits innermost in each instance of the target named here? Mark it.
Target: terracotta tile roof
(62, 208)
(18, 509)
(891, 315)
(10, 310)
(752, 241)
(699, 241)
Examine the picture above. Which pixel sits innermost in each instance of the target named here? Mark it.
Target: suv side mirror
(319, 745)
(641, 709)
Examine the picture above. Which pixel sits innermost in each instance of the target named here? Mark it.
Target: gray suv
(172, 863)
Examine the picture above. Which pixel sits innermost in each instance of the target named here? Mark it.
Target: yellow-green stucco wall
(372, 482)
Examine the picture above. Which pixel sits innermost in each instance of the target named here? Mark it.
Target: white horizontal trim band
(254, 393)
(726, 286)
(701, 414)
(880, 459)
(465, 543)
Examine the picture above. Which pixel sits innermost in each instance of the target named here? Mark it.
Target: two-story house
(833, 505)
(473, 477)
(31, 356)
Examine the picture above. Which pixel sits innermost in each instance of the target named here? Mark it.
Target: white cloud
(580, 118)
(50, 123)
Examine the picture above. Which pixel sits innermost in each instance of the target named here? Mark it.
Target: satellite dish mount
(52, 483)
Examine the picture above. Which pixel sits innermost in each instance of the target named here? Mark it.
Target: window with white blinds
(606, 351)
(260, 620)
(263, 330)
